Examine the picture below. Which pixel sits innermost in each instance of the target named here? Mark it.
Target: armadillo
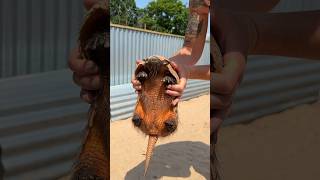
(154, 113)
(93, 159)
(216, 61)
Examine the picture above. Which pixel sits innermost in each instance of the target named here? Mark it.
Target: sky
(144, 3)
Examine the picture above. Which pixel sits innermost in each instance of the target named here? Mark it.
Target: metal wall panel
(273, 84)
(37, 35)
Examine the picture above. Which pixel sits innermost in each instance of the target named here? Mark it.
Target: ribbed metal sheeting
(41, 123)
(128, 45)
(273, 84)
(37, 35)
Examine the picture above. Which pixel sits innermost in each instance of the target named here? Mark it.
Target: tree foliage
(123, 12)
(169, 16)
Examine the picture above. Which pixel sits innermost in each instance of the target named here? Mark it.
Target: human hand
(175, 90)
(235, 35)
(85, 72)
(85, 75)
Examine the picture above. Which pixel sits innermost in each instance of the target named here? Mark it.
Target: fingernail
(169, 86)
(91, 67)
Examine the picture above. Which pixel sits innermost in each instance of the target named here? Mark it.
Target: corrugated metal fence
(273, 84)
(37, 35)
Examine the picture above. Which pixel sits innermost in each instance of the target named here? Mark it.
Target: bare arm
(199, 72)
(195, 35)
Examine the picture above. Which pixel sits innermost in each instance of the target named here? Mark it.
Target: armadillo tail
(151, 144)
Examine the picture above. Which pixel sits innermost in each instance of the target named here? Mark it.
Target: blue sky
(143, 3)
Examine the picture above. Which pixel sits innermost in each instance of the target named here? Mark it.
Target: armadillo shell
(215, 56)
(93, 160)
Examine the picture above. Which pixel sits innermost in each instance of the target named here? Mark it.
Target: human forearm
(199, 72)
(195, 35)
(288, 34)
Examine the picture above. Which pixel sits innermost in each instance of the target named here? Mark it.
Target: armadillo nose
(151, 144)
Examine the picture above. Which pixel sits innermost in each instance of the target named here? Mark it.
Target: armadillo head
(154, 113)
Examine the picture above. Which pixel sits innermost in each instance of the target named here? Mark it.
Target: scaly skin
(154, 113)
(216, 61)
(93, 160)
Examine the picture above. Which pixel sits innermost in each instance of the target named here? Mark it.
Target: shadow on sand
(175, 160)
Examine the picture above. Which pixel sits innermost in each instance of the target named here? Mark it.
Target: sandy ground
(183, 155)
(283, 146)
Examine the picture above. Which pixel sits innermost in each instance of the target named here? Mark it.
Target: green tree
(170, 16)
(123, 12)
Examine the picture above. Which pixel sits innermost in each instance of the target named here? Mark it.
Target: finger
(88, 96)
(87, 82)
(173, 93)
(174, 65)
(225, 82)
(82, 66)
(178, 88)
(137, 88)
(218, 101)
(139, 61)
(176, 101)
(136, 84)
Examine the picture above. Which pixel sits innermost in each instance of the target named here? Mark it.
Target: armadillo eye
(170, 125)
(136, 120)
(141, 76)
(167, 80)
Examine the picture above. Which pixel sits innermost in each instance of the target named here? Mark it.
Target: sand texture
(183, 155)
(283, 146)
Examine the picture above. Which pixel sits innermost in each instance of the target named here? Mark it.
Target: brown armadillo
(216, 67)
(93, 160)
(154, 113)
